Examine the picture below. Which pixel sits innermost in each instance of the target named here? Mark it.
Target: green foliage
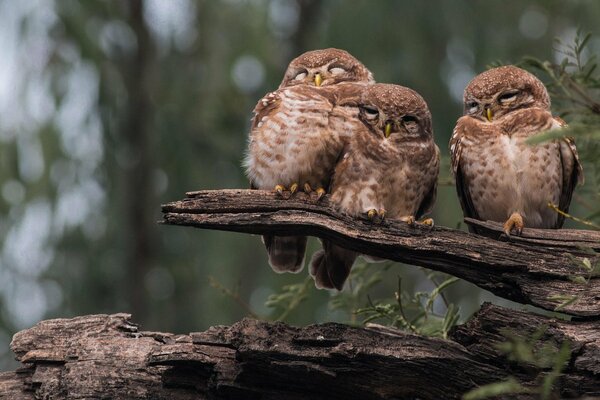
(415, 312)
(574, 86)
(289, 298)
(530, 351)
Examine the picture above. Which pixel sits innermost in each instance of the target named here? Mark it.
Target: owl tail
(286, 253)
(331, 266)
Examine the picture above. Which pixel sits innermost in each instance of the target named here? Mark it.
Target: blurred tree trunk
(140, 225)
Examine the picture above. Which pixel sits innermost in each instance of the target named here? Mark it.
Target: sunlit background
(110, 108)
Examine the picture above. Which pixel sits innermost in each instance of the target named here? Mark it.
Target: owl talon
(427, 221)
(294, 188)
(307, 188)
(410, 220)
(382, 213)
(320, 193)
(279, 189)
(515, 221)
(371, 214)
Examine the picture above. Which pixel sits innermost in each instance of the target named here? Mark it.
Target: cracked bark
(107, 356)
(530, 269)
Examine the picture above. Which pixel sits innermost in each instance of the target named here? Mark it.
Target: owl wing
(429, 199)
(572, 171)
(456, 142)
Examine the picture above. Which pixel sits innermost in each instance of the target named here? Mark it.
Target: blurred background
(108, 109)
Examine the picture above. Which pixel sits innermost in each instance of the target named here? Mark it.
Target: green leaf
(508, 386)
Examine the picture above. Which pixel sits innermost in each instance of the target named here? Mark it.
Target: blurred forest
(108, 109)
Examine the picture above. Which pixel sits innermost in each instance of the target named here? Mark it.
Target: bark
(106, 356)
(542, 267)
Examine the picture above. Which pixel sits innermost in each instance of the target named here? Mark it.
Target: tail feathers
(331, 266)
(286, 253)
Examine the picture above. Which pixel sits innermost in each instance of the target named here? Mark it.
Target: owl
(500, 177)
(389, 169)
(298, 132)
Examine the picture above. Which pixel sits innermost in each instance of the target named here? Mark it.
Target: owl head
(499, 91)
(395, 113)
(325, 67)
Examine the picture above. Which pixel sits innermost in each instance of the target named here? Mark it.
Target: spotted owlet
(499, 177)
(389, 168)
(298, 132)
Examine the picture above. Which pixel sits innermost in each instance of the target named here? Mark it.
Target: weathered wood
(532, 269)
(106, 356)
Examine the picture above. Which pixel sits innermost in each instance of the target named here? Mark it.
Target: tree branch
(540, 268)
(106, 356)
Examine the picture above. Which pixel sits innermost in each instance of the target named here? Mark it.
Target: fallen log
(107, 356)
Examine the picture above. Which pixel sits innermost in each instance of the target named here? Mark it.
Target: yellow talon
(515, 221)
(294, 188)
(382, 213)
(320, 193)
(427, 221)
(307, 188)
(372, 213)
(279, 189)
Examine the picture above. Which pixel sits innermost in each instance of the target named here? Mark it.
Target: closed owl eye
(371, 113)
(301, 75)
(508, 96)
(336, 70)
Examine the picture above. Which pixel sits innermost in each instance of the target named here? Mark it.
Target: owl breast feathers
(298, 132)
(389, 169)
(500, 177)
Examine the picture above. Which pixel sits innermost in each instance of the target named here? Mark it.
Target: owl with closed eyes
(389, 169)
(500, 177)
(298, 132)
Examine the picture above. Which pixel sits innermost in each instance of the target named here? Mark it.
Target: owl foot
(279, 189)
(307, 188)
(410, 220)
(320, 193)
(375, 215)
(427, 221)
(283, 192)
(515, 221)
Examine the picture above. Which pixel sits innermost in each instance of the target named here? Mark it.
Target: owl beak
(489, 114)
(388, 129)
(318, 79)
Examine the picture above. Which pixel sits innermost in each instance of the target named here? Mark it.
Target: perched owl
(389, 169)
(298, 132)
(499, 177)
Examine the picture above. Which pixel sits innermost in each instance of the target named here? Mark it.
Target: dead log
(541, 268)
(106, 356)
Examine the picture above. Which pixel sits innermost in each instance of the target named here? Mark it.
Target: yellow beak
(489, 114)
(318, 80)
(388, 129)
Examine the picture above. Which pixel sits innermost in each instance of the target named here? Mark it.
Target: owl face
(499, 91)
(395, 114)
(325, 67)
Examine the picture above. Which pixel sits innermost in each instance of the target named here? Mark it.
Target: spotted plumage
(499, 177)
(298, 132)
(389, 169)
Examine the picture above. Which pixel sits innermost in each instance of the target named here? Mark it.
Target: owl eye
(408, 119)
(300, 76)
(336, 70)
(508, 97)
(472, 106)
(371, 113)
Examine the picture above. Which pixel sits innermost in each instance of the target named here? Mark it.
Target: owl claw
(515, 221)
(320, 193)
(294, 188)
(427, 221)
(382, 213)
(371, 214)
(410, 220)
(307, 188)
(279, 189)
